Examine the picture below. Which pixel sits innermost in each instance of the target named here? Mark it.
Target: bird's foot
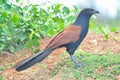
(77, 65)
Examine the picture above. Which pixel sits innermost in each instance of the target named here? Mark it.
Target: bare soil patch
(94, 43)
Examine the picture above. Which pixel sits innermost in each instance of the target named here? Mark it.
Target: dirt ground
(93, 43)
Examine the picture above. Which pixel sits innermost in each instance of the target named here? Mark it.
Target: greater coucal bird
(71, 38)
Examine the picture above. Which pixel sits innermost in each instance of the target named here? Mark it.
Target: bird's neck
(82, 21)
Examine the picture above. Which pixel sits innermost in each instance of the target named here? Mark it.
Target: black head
(88, 12)
(84, 16)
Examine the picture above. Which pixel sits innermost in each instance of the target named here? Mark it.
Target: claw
(77, 64)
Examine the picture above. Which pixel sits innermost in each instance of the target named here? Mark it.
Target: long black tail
(32, 60)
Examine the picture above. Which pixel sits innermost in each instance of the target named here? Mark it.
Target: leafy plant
(11, 32)
(99, 28)
(25, 26)
(106, 31)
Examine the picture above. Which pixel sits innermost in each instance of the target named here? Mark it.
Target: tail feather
(32, 60)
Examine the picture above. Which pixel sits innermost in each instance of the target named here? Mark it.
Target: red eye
(89, 11)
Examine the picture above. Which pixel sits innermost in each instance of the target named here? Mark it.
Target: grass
(1, 78)
(2, 68)
(96, 66)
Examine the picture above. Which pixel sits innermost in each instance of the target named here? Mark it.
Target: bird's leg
(74, 59)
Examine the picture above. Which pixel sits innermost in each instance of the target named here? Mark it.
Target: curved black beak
(93, 12)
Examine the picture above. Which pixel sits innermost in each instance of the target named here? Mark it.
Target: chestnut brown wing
(70, 34)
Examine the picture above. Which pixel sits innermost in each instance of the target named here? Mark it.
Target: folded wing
(70, 34)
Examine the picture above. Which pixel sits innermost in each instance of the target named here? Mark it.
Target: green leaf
(36, 34)
(55, 19)
(106, 36)
(113, 29)
(66, 10)
(17, 0)
(61, 22)
(15, 17)
(51, 32)
(7, 6)
(76, 9)
(4, 14)
(57, 8)
(31, 34)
